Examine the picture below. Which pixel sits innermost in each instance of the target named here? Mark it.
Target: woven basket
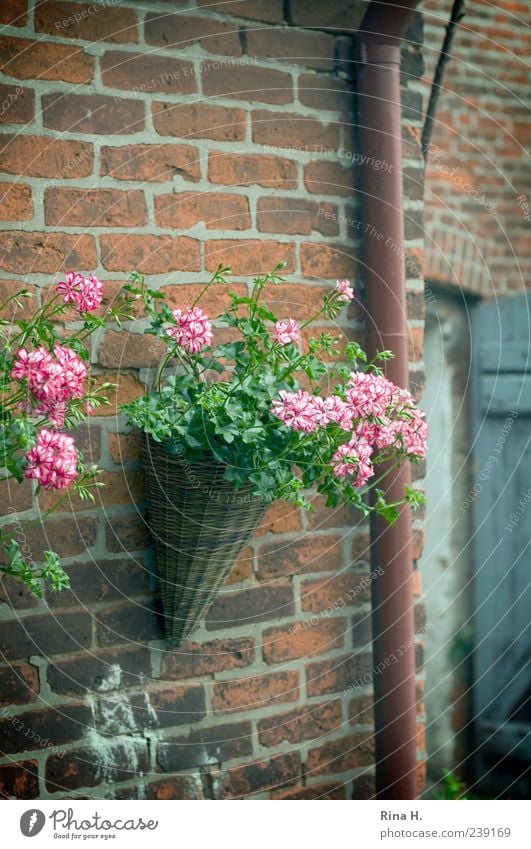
(199, 525)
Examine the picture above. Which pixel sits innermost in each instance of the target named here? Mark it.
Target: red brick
(329, 178)
(281, 518)
(351, 752)
(92, 113)
(46, 634)
(216, 211)
(94, 207)
(178, 787)
(66, 537)
(294, 557)
(34, 156)
(44, 60)
(128, 387)
(361, 548)
(150, 254)
(104, 580)
(249, 256)
(14, 13)
(283, 131)
(331, 261)
(238, 169)
(253, 693)
(100, 671)
(271, 11)
(246, 82)
(150, 162)
(314, 791)
(182, 31)
(337, 674)
(363, 787)
(89, 766)
(242, 569)
(19, 684)
(130, 350)
(199, 121)
(360, 710)
(16, 203)
(319, 91)
(242, 781)
(19, 780)
(14, 595)
(125, 447)
(39, 729)
(296, 300)
(334, 593)
(296, 216)
(13, 494)
(124, 536)
(312, 49)
(196, 659)
(214, 302)
(258, 604)
(172, 706)
(307, 723)
(343, 14)
(106, 23)
(415, 343)
(130, 622)
(17, 105)
(322, 517)
(22, 253)
(205, 746)
(303, 639)
(147, 72)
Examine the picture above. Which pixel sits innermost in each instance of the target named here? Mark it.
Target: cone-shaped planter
(199, 526)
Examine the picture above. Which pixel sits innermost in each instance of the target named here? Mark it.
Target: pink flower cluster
(344, 290)
(52, 461)
(287, 332)
(53, 379)
(193, 330)
(378, 414)
(85, 294)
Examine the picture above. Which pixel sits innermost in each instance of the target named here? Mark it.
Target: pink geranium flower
(84, 294)
(52, 461)
(193, 330)
(344, 290)
(287, 332)
(298, 410)
(354, 459)
(368, 394)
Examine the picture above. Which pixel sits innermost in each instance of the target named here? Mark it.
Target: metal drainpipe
(380, 133)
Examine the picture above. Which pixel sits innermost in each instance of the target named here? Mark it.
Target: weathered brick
(199, 121)
(307, 723)
(45, 634)
(362, 630)
(103, 580)
(320, 91)
(19, 684)
(360, 710)
(44, 60)
(281, 518)
(271, 11)
(125, 447)
(296, 216)
(128, 387)
(177, 787)
(40, 729)
(14, 13)
(328, 261)
(313, 791)
(205, 747)
(216, 211)
(66, 537)
(130, 350)
(215, 301)
(253, 693)
(258, 604)
(124, 536)
(334, 593)
(150, 162)
(363, 787)
(68, 20)
(415, 343)
(194, 659)
(16, 202)
(147, 72)
(89, 766)
(237, 169)
(329, 178)
(297, 300)
(152, 254)
(242, 569)
(34, 156)
(344, 14)
(338, 674)
(92, 113)
(295, 557)
(94, 207)
(15, 595)
(130, 622)
(242, 781)
(101, 671)
(15, 495)
(246, 82)
(302, 639)
(249, 257)
(350, 752)
(22, 253)
(17, 104)
(160, 708)
(181, 31)
(19, 780)
(283, 131)
(309, 48)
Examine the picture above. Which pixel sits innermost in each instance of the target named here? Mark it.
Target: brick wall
(479, 188)
(138, 138)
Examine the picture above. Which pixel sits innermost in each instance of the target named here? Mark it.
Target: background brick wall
(141, 139)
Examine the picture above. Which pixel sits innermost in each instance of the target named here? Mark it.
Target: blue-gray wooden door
(501, 510)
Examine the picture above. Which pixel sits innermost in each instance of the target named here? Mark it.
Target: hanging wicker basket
(199, 526)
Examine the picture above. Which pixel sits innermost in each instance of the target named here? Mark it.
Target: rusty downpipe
(380, 134)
